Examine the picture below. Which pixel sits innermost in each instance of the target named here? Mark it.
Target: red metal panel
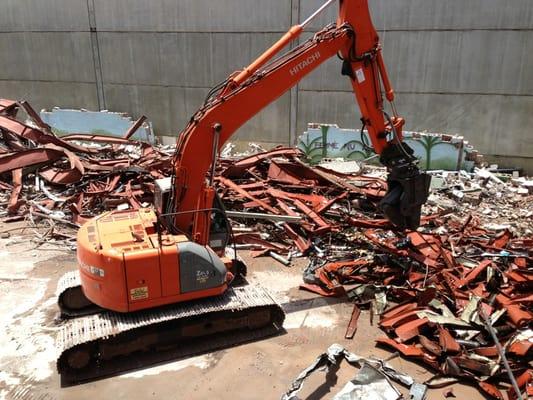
(143, 275)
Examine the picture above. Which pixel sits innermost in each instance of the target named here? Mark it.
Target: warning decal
(139, 293)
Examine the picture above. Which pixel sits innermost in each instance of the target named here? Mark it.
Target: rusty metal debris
(76, 176)
(429, 288)
(444, 287)
(352, 325)
(315, 207)
(501, 353)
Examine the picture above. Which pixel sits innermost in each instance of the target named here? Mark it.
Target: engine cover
(200, 268)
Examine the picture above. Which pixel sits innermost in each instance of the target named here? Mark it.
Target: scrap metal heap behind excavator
(157, 284)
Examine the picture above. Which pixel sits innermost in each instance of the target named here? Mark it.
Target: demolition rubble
(66, 180)
(455, 295)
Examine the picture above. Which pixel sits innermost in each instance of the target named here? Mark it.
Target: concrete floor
(262, 370)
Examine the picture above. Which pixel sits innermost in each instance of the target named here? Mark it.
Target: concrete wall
(458, 66)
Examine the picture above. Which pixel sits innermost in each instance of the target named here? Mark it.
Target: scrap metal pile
(73, 177)
(451, 290)
(465, 273)
(314, 209)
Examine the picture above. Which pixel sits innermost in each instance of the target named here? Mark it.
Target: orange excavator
(157, 284)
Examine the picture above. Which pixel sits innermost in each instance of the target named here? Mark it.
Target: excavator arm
(244, 93)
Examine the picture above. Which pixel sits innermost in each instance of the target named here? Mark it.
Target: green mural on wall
(365, 153)
(435, 151)
(312, 153)
(428, 143)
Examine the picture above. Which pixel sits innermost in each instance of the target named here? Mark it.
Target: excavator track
(71, 301)
(108, 343)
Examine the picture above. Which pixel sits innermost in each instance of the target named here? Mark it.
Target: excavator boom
(246, 92)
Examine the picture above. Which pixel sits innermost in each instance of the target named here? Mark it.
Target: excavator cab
(219, 231)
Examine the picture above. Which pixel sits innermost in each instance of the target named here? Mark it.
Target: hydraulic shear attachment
(408, 187)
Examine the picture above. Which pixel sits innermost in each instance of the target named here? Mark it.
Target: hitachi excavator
(157, 284)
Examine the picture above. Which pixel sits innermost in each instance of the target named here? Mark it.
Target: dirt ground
(260, 370)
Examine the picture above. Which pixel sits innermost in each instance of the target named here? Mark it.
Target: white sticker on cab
(360, 75)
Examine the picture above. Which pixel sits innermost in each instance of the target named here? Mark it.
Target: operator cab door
(219, 231)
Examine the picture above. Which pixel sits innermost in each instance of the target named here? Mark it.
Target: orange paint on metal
(491, 390)
(447, 342)
(406, 350)
(401, 318)
(491, 351)
(14, 203)
(352, 325)
(233, 186)
(518, 316)
(521, 347)
(410, 329)
(124, 268)
(502, 239)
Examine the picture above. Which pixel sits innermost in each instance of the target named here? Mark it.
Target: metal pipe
(132, 129)
(316, 13)
(389, 93)
(393, 106)
(271, 217)
(216, 135)
(279, 258)
(492, 332)
(288, 37)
